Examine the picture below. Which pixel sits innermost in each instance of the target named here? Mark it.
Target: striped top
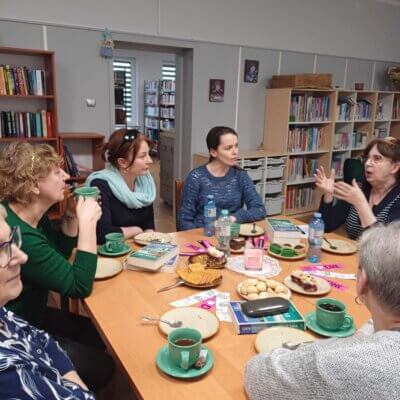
(338, 213)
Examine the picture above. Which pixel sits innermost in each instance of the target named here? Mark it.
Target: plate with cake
(214, 259)
(237, 245)
(301, 282)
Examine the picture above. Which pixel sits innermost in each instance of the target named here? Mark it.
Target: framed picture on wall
(217, 90)
(251, 71)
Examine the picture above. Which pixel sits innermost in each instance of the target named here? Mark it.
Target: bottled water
(223, 232)
(210, 215)
(315, 238)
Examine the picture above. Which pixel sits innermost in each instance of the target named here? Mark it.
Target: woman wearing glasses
(126, 185)
(31, 181)
(32, 365)
(378, 200)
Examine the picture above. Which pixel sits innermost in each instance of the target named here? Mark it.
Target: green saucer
(170, 368)
(311, 322)
(103, 251)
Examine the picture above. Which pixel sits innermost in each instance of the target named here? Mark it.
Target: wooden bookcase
(16, 101)
(151, 119)
(73, 141)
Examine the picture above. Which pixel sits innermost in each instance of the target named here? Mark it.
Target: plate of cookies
(301, 282)
(287, 251)
(196, 275)
(261, 288)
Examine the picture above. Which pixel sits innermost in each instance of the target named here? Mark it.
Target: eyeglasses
(375, 159)
(6, 247)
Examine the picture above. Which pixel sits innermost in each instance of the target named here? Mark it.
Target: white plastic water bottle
(223, 232)
(210, 215)
(316, 229)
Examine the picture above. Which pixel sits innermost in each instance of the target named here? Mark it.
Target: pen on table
(301, 230)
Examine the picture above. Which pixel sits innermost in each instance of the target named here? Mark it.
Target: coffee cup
(114, 242)
(331, 315)
(87, 192)
(184, 347)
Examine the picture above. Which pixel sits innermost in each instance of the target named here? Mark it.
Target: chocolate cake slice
(237, 243)
(306, 281)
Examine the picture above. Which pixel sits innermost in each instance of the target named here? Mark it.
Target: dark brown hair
(118, 147)
(389, 147)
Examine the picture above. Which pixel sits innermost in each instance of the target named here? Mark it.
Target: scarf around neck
(142, 195)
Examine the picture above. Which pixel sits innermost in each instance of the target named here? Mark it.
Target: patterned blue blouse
(231, 192)
(32, 364)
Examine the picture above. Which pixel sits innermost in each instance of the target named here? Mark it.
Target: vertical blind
(128, 68)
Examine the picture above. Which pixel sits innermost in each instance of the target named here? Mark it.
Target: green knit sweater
(48, 268)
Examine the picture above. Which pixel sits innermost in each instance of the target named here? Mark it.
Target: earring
(358, 300)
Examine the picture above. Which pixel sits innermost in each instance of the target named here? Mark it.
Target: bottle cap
(210, 197)
(317, 215)
(225, 213)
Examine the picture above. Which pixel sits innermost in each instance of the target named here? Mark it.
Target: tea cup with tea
(184, 346)
(114, 242)
(331, 315)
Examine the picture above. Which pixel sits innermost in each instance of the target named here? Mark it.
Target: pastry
(259, 288)
(213, 252)
(306, 281)
(199, 277)
(237, 243)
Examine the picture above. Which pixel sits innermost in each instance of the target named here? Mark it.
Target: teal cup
(235, 229)
(331, 315)
(114, 242)
(184, 347)
(87, 192)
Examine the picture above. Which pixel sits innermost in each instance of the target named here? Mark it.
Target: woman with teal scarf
(126, 185)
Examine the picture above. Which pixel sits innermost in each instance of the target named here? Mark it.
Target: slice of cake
(306, 281)
(237, 243)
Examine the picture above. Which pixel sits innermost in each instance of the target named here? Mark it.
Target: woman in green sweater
(31, 181)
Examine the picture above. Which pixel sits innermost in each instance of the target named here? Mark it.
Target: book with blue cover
(246, 325)
(152, 256)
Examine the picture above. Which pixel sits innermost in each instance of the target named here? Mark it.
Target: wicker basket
(302, 81)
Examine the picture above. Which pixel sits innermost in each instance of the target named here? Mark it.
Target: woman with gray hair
(364, 366)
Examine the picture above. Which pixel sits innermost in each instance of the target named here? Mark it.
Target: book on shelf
(309, 107)
(363, 109)
(301, 168)
(338, 163)
(396, 108)
(381, 133)
(341, 140)
(304, 139)
(69, 163)
(153, 256)
(359, 139)
(246, 325)
(345, 108)
(282, 231)
(299, 197)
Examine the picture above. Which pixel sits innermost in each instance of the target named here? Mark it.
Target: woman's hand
(323, 182)
(350, 193)
(88, 211)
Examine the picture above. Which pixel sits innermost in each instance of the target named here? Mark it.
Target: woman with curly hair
(31, 182)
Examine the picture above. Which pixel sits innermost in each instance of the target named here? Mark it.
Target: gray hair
(380, 259)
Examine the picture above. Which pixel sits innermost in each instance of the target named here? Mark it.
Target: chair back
(353, 169)
(178, 198)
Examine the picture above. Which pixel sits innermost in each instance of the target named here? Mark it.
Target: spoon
(293, 346)
(254, 230)
(173, 323)
(330, 244)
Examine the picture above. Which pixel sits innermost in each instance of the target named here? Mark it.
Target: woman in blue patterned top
(378, 200)
(32, 365)
(231, 186)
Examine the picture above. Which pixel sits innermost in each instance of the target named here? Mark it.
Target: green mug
(87, 191)
(331, 315)
(114, 242)
(184, 347)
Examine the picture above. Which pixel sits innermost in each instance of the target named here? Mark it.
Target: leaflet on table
(200, 296)
(329, 274)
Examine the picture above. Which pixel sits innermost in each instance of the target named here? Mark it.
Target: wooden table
(117, 305)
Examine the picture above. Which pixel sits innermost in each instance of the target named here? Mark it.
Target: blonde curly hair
(21, 166)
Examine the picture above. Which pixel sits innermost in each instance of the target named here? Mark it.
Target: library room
(200, 200)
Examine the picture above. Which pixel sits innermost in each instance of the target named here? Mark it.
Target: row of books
(151, 86)
(151, 123)
(151, 111)
(167, 124)
(396, 108)
(301, 168)
(167, 112)
(308, 107)
(359, 140)
(304, 139)
(69, 163)
(338, 163)
(167, 99)
(345, 109)
(341, 140)
(150, 99)
(22, 81)
(25, 124)
(363, 109)
(381, 133)
(299, 197)
(167, 85)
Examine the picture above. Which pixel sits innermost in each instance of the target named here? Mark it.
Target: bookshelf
(28, 100)
(82, 144)
(167, 105)
(152, 113)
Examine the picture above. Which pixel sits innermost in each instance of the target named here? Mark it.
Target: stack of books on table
(152, 257)
(245, 325)
(282, 231)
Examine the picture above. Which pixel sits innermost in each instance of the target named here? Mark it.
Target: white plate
(148, 237)
(344, 247)
(323, 287)
(286, 295)
(192, 317)
(272, 338)
(107, 267)
(246, 230)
